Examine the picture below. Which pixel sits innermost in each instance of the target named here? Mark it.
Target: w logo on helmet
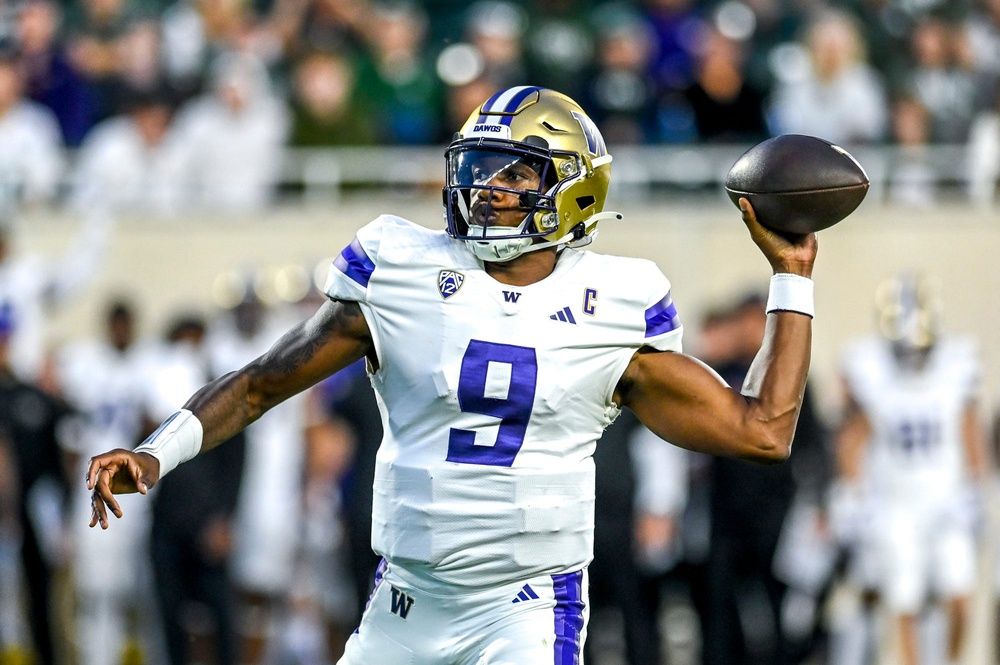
(595, 142)
(449, 281)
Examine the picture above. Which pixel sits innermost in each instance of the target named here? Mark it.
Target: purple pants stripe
(568, 590)
(379, 573)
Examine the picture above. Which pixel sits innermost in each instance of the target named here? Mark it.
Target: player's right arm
(333, 338)
(684, 402)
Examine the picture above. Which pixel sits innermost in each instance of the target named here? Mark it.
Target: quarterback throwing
(499, 350)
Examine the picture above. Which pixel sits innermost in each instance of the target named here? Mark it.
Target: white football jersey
(916, 450)
(493, 397)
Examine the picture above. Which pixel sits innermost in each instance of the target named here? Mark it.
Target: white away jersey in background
(493, 397)
(916, 451)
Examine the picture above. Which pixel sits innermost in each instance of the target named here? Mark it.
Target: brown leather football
(798, 184)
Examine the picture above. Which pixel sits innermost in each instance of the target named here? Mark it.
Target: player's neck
(525, 269)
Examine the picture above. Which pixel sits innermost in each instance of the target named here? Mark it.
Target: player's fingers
(137, 476)
(100, 512)
(92, 469)
(757, 230)
(93, 512)
(103, 488)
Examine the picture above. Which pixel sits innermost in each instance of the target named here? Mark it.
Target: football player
(499, 352)
(912, 453)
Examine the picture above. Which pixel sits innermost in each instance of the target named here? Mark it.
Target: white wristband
(175, 441)
(791, 293)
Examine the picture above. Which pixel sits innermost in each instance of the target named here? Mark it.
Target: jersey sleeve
(663, 328)
(352, 269)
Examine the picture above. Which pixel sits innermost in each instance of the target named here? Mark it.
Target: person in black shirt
(29, 421)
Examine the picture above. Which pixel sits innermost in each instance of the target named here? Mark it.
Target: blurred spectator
(726, 107)
(397, 79)
(267, 510)
(886, 26)
(678, 30)
(942, 79)
(195, 33)
(324, 104)
(192, 517)
(332, 25)
(983, 29)
(559, 45)
(105, 381)
(230, 140)
(95, 47)
(640, 491)
(833, 93)
(913, 180)
(621, 94)
(30, 422)
(348, 396)
(31, 159)
(322, 613)
(984, 156)
(127, 163)
(50, 77)
(31, 286)
(767, 30)
(744, 619)
(496, 28)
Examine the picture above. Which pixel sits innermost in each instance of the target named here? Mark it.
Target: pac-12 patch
(449, 281)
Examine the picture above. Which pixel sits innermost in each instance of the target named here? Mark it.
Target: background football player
(912, 453)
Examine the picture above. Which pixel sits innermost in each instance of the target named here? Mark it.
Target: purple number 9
(513, 409)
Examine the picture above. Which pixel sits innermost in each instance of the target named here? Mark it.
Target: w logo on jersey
(449, 282)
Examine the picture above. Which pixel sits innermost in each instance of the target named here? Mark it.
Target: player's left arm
(683, 401)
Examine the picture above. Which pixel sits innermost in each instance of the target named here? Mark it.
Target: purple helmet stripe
(568, 615)
(354, 263)
(489, 102)
(515, 102)
(662, 317)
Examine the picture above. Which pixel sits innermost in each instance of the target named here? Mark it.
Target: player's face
(495, 207)
(496, 181)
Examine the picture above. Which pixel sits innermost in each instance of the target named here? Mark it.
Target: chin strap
(483, 250)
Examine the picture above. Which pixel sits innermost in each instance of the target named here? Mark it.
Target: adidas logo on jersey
(526, 593)
(565, 315)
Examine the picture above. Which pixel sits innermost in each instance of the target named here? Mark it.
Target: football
(798, 184)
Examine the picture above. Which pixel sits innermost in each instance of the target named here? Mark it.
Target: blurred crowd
(167, 104)
(259, 551)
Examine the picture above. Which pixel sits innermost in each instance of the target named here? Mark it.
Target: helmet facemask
(548, 132)
(909, 318)
(484, 179)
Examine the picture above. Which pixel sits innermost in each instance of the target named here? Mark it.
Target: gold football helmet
(909, 313)
(551, 134)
